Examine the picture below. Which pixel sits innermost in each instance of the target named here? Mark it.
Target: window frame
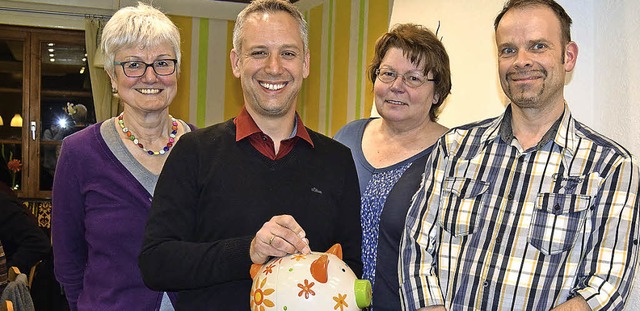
(32, 39)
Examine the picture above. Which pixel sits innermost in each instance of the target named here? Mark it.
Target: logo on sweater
(316, 190)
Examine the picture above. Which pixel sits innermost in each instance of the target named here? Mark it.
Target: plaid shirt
(494, 227)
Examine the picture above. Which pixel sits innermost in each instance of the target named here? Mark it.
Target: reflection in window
(66, 105)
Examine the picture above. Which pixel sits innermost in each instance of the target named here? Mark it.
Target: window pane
(11, 71)
(66, 102)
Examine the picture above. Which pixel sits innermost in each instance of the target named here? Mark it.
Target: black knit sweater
(214, 194)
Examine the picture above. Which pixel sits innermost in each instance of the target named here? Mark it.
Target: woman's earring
(114, 90)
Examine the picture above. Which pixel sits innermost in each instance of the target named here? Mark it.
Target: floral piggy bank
(316, 281)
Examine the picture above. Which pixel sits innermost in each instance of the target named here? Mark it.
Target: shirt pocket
(557, 220)
(461, 205)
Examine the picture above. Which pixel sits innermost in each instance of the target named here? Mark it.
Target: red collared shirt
(246, 127)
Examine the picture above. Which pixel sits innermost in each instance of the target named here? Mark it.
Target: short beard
(524, 101)
(519, 98)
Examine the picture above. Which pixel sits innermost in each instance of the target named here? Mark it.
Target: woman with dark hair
(411, 79)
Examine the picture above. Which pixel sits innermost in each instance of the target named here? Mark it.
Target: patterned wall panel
(41, 209)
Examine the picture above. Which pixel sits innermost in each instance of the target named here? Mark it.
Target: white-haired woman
(106, 173)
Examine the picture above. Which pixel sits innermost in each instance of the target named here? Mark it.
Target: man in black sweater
(257, 186)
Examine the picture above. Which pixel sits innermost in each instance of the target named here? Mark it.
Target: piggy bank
(316, 281)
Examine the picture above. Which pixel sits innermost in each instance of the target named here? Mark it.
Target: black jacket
(23, 241)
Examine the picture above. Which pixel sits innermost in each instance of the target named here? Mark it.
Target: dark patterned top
(386, 195)
(372, 203)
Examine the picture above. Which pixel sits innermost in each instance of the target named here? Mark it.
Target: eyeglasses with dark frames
(136, 69)
(410, 79)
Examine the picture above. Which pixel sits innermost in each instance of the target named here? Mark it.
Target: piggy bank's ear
(255, 268)
(336, 249)
(319, 269)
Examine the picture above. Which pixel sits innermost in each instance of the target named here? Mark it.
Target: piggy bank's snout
(362, 293)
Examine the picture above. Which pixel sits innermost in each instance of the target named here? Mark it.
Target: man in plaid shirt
(531, 210)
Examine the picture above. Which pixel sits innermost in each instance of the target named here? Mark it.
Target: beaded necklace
(172, 136)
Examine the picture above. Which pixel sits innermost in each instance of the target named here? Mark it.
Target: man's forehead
(528, 14)
(268, 28)
(529, 23)
(270, 17)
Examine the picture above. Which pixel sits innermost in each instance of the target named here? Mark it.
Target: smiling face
(271, 65)
(395, 101)
(532, 57)
(149, 93)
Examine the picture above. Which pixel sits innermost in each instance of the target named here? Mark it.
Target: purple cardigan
(98, 218)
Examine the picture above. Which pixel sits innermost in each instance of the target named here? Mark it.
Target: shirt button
(485, 284)
(498, 240)
(264, 138)
(510, 196)
(556, 207)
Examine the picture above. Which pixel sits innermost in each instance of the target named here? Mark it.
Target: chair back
(13, 273)
(7, 305)
(16, 295)
(32, 274)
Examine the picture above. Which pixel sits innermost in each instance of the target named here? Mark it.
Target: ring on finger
(273, 236)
